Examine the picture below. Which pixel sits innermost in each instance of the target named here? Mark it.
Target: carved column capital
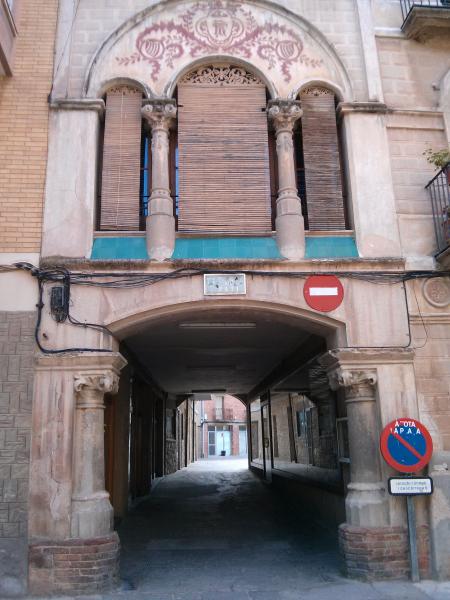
(357, 383)
(284, 114)
(160, 114)
(103, 383)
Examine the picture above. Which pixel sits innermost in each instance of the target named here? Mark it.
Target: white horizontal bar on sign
(323, 291)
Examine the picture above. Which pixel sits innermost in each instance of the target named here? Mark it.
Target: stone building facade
(204, 159)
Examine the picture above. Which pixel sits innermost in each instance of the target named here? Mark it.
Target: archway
(179, 355)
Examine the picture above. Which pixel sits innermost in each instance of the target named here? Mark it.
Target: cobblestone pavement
(214, 531)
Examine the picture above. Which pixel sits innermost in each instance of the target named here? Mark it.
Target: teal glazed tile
(114, 248)
(210, 248)
(331, 247)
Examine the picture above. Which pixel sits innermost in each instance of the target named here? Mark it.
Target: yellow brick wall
(23, 128)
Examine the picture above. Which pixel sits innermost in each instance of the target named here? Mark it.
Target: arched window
(320, 182)
(223, 153)
(122, 161)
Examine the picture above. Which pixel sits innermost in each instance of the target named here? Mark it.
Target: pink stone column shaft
(289, 224)
(160, 221)
(92, 513)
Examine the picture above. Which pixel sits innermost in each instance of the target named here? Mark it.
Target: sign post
(406, 446)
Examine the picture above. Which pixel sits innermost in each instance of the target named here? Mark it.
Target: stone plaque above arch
(161, 44)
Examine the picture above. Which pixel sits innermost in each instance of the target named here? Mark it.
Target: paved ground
(214, 531)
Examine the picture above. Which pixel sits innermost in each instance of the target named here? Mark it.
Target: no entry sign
(323, 292)
(406, 445)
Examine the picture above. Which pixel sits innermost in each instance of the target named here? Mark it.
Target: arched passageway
(200, 382)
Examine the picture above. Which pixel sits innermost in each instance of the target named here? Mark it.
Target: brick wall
(381, 553)
(23, 128)
(16, 381)
(75, 566)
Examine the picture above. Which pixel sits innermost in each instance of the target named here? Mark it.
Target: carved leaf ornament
(218, 27)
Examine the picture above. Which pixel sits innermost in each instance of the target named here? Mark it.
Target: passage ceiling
(219, 349)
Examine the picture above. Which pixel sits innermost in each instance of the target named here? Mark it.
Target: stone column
(289, 225)
(70, 517)
(365, 502)
(160, 221)
(376, 384)
(92, 513)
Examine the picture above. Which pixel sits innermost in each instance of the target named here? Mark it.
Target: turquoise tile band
(114, 248)
(227, 247)
(129, 248)
(331, 247)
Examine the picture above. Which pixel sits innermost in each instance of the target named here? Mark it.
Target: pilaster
(370, 179)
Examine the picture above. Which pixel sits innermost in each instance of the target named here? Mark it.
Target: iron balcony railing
(439, 190)
(223, 414)
(408, 5)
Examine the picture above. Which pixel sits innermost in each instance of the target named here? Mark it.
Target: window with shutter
(120, 189)
(320, 173)
(223, 177)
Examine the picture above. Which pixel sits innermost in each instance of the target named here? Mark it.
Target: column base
(381, 552)
(74, 566)
(160, 236)
(92, 517)
(290, 235)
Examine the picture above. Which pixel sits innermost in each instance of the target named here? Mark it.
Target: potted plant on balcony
(439, 158)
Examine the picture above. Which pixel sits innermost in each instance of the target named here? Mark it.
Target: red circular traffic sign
(323, 292)
(406, 445)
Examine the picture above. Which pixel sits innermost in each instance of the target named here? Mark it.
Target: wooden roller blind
(224, 182)
(321, 159)
(121, 160)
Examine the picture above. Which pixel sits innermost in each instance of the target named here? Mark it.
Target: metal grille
(407, 5)
(439, 190)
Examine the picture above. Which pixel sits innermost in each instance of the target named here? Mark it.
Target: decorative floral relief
(218, 27)
(224, 75)
(317, 91)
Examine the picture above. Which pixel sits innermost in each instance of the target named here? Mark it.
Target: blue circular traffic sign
(406, 445)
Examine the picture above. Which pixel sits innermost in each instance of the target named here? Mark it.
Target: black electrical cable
(40, 306)
(125, 279)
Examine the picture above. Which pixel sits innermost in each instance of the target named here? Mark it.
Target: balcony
(222, 414)
(424, 19)
(439, 190)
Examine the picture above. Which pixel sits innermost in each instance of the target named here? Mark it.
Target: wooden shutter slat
(121, 160)
(322, 163)
(224, 182)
